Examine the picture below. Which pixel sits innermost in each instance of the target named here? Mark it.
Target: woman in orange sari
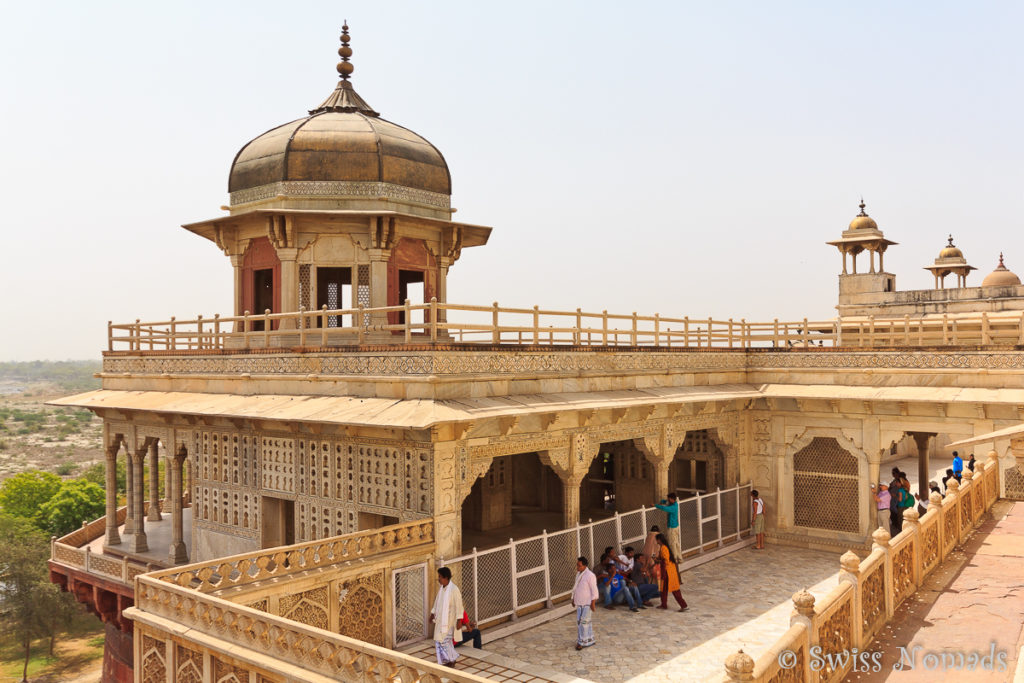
(669, 575)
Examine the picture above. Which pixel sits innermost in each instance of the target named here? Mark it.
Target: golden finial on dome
(345, 67)
(862, 205)
(1000, 261)
(950, 241)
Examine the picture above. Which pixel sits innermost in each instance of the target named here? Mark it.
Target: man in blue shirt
(958, 465)
(671, 506)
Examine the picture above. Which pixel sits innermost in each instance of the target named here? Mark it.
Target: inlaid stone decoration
(154, 660)
(309, 607)
(361, 608)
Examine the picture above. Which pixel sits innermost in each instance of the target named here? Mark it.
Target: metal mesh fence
(729, 513)
(494, 573)
(744, 494)
(464, 577)
(633, 529)
(487, 578)
(688, 525)
(604, 535)
(562, 554)
(410, 604)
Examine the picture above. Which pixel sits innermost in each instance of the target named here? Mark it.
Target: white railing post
(217, 342)
(604, 328)
(577, 335)
(266, 328)
(618, 530)
(700, 524)
(515, 581)
(302, 326)
(199, 333)
(719, 506)
(686, 331)
(536, 325)
(657, 330)
(547, 570)
(632, 336)
(476, 584)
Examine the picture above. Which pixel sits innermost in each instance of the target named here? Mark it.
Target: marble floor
(741, 600)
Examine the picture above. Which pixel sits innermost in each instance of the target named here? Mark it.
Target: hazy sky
(683, 158)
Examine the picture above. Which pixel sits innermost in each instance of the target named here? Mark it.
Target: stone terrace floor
(741, 600)
(974, 602)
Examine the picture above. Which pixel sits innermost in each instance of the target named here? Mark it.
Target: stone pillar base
(178, 554)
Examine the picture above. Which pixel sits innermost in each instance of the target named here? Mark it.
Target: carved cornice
(339, 189)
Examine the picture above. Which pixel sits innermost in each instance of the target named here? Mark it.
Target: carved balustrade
(247, 568)
(825, 634)
(270, 647)
(72, 550)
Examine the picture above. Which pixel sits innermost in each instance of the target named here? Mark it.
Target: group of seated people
(625, 578)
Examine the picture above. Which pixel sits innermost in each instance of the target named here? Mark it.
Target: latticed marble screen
(1014, 483)
(825, 487)
(363, 289)
(330, 480)
(305, 296)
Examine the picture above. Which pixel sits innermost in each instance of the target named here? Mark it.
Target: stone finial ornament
(934, 500)
(881, 538)
(345, 67)
(803, 601)
(967, 474)
(952, 486)
(850, 562)
(739, 666)
(911, 515)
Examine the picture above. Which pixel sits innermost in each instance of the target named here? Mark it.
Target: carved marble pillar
(570, 501)
(661, 482)
(289, 284)
(129, 492)
(110, 472)
(236, 264)
(379, 284)
(177, 553)
(923, 468)
(154, 482)
(138, 543)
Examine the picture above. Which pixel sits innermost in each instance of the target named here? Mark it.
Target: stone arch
(700, 462)
(825, 482)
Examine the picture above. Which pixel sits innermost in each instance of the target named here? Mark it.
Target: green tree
(74, 502)
(31, 605)
(23, 494)
(96, 473)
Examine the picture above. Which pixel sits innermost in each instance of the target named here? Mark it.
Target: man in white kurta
(445, 615)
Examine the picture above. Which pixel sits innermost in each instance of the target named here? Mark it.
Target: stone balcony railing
(73, 550)
(228, 616)
(824, 634)
(489, 326)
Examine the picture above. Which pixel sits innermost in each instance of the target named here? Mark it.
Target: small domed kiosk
(338, 209)
(950, 260)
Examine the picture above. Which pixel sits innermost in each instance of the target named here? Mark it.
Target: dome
(340, 146)
(862, 221)
(342, 149)
(950, 251)
(1000, 277)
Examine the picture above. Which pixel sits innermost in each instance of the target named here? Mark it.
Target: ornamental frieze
(888, 360)
(426, 363)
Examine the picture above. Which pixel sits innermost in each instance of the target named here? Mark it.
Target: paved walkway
(973, 603)
(740, 600)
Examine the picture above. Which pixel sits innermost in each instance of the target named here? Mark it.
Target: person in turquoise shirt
(671, 507)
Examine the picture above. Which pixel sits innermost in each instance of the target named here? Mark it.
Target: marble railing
(490, 325)
(239, 570)
(187, 618)
(819, 647)
(183, 633)
(72, 550)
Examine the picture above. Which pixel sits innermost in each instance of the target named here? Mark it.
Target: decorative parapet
(853, 614)
(240, 570)
(72, 550)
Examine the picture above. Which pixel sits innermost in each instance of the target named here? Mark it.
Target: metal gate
(409, 604)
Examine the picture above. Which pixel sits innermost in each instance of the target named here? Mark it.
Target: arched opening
(620, 479)
(519, 496)
(698, 466)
